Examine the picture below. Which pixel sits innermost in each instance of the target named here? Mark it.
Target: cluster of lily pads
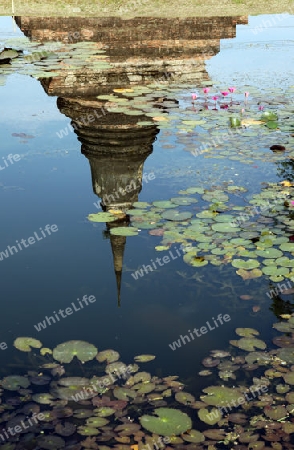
(230, 133)
(52, 59)
(257, 241)
(137, 410)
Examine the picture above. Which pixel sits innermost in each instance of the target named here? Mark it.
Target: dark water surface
(52, 184)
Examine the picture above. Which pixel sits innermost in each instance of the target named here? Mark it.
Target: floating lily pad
(96, 422)
(164, 204)
(286, 354)
(102, 217)
(225, 227)
(193, 436)
(287, 247)
(247, 265)
(169, 421)
(25, 343)
(210, 417)
(49, 442)
(269, 253)
(144, 358)
(249, 344)
(175, 215)
(246, 332)
(65, 352)
(108, 355)
(87, 431)
(124, 231)
(220, 395)
(185, 398)
(182, 201)
(194, 260)
(15, 382)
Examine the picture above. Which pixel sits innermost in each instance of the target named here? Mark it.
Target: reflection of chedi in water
(140, 50)
(116, 148)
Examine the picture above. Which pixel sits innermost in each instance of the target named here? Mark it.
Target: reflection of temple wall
(140, 50)
(114, 30)
(116, 148)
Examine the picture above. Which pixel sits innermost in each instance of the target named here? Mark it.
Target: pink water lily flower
(261, 108)
(231, 89)
(224, 93)
(206, 90)
(215, 98)
(292, 203)
(194, 96)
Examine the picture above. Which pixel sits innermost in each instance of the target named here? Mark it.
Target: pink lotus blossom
(194, 96)
(224, 106)
(215, 98)
(224, 93)
(231, 89)
(206, 90)
(261, 108)
(292, 203)
(246, 94)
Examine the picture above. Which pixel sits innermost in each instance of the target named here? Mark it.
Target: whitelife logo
(64, 313)
(199, 332)
(31, 240)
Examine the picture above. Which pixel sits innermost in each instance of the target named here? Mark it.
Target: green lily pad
(104, 411)
(269, 116)
(287, 247)
(249, 344)
(247, 265)
(136, 212)
(224, 218)
(182, 201)
(220, 395)
(210, 417)
(164, 204)
(206, 214)
(225, 227)
(272, 125)
(286, 354)
(96, 422)
(124, 231)
(65, 352)
(185, 398)
(194, 436)
(102, 217)
(193, 260)
(141, 205)
(108, 355)
(176, 216)
(25, 343)
(276, 412)
(169, 422)
(144, 358)
(48, 442)
(87, 431)
(124, 394)
(8, 54)
(15, 382)
(289, 377)
(275, 271)
(269, 253)
(246, 332)
(235, 122)
(44, 398)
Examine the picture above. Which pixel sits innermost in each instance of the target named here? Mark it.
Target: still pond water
(98, 115)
